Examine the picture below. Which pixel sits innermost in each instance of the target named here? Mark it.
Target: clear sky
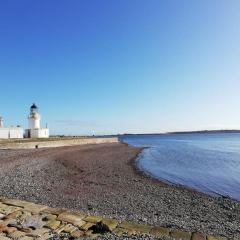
(135, 66)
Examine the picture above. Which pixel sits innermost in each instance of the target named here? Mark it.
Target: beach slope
(102, 179)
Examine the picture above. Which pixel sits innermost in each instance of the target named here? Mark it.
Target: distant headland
(188, 132)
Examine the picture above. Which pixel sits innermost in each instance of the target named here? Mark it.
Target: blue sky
(138, 66)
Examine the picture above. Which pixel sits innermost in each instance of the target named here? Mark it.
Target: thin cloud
(78, 123)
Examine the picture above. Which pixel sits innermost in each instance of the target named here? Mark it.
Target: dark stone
(99, 228)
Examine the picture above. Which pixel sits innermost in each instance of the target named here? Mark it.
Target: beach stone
(35, 208)
(77, 233)
(2, 205)
(46, 236)
(26, 230)
(60, 228)
(86, 226)
(69, 228)
(119, 231)
(2, 216)
(10, 221)
(18, 203)
(92, 219)
(9, 230)
(38, 232)
(209, 237)
(26, 238)
(91, 234)
(181, 235)
(51, 217)
(16, 234)
(122, 231)
(53, 224)
(100, 228)
(198, 236)
(3, 229)
(139, 228)
(111, 223)
(24, 215)
(160, 231)
(54, 211)
(15, 214)
(80, 223)
(95, 236)
(4, 238)
(33, 221)
(70, 217)
(9, 209)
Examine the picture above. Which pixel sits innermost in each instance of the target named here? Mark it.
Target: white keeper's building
(34, 128)
(10, 132)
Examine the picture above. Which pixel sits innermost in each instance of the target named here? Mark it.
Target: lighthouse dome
(34, 106)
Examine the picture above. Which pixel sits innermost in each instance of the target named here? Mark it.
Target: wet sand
(102, 179)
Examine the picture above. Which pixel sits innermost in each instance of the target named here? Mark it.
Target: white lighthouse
(34, 128)
(34, 118)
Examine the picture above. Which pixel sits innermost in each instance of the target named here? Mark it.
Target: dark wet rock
(100, 228)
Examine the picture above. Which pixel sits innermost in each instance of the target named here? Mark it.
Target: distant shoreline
(182, 132)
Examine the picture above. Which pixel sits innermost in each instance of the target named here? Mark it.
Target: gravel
(102, 180)
(112, 237)
(146, 237)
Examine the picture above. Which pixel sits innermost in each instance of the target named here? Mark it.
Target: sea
(206, 162)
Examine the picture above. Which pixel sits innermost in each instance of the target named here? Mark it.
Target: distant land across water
(186, 132)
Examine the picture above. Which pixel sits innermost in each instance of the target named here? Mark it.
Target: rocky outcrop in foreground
(26, 221)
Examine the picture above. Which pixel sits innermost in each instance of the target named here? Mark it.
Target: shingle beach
(103, 180)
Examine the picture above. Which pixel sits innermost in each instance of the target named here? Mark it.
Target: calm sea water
(206, 162)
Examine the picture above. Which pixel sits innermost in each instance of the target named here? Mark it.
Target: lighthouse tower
(34, 118)
(34, 128)
(1, 122)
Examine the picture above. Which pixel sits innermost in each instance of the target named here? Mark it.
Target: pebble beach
(104, 180)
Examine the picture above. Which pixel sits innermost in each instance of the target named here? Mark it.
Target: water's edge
(140, 171)
(149, 155)
(169, 183)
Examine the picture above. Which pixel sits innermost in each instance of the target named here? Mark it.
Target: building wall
(33, 123)
(16, 133)
(59, 143)
(1, 122)
(39, 133)
(6, 133)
